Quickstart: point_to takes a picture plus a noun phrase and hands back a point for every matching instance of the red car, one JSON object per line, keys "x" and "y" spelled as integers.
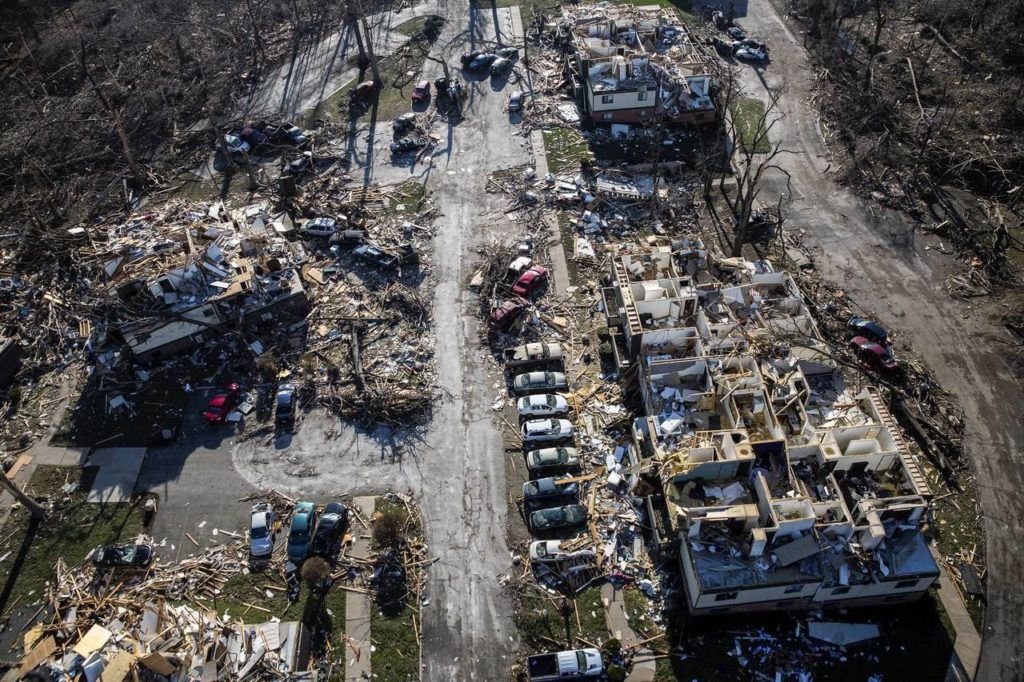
{"x": 223, "y": 401}
{"x": 505, "y": 315}
{"x": 873, "y": 355}
{"x": 421, "y": 92}
{"x": 530, "y": 281}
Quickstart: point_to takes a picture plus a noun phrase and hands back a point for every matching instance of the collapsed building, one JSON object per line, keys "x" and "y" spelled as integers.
{"x": 175, "y": 284}
{"x": 637, "y": 65}
{"x": 783, "y": 486}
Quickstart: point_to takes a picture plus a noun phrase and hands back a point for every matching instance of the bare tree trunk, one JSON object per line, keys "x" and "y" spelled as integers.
{"x": 879, "y": 25}
{"x": 369, "y": 43}
{"x": 353, "y": 23}
{"x": 31, "y": 505}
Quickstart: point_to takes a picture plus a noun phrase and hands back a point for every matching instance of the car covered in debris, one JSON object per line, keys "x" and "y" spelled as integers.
{"x": 546, "y": 459}
{"x": 873, "y": 355}
{"x": 543, "y": 490}
{"x": 468, "y": 57}
{"x": 557, "y": 517}
{"x": 736, "y": 33}
{"x": 515, "y": 101}
{"x": 550, "y": 551}
{"x": 546, "y": 430}
{"x": 869, "y": 328}
{"x": 286, "y": 133}
{"x": 261, "y": 530}
{"x": 254, "y": 137}
{"x": 749, "y": 54}
{"x": 500, "y": 66}
{"x": 401, "y": 124}
{"x": 223, "y": 401}
{"x": 235, "y": 145}
{"x": 506, "y": 315}
{"x": 329, "y": 528}
{"x": 320, "y": 227}
{"x": 507, "y": 52}
{"x": 303, "y": 522}
{"x": 284, "y": 404}
{"x": 363, "y": 91}
{"x": 532, "y": 353}
{"x": 348, "y": 237}
{"x": 408, "y": 144}
{"x": 121, "y": 556}
{"x": 530, "y": 281}
{"x": 375, "y": 256}
{"x": 539, "y": 381}
{"x": 421, "y": 93}
{"x": 542, "y": 405}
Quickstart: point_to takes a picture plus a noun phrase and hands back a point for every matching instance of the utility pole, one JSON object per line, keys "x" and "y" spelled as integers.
{"x": 33, "y": 507}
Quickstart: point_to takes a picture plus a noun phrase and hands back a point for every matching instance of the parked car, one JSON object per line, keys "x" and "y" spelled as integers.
{"x": 320, "y": 227}
{"x": 406, "y": 121}
{"x": 482, "y": 61}
{"x": 869, "y": 328}
{"x": 507, "y": 52}
{"x": 515, "y": 101}
{"x": 408, "y": 144}
{"x": 421, "y": 93}
{"x": 736, "y": 33}
{"x": 542, "y": 405}
{"x": 530, "y": 281}
{"x": 261, "y": 530}
{"x": 284, "y": 409}
{"x": 348, "y": 237}
{"x": 303, "y": 522}
{"x": 507, "y": 314}
{"x": 121, "y": 556}
{"x": 223, "y": 401}
{"x": 328, "y": 530}
{"x": 539, "y": 381}
{"x": 563, "y": 665}
{"x": 547, "y": 459}
{"x": 537, "y": 493}
{"x": 468, "y": 57}
{"x": 375, "y": 256}
{"x": 532, "y": 353}
{"x": 546, "y": 430}
{"x": 500, "y": 66}
{"x": 873, "y": 355}
{"x": 557, "y": 517}
{"x": 754, "y": 44}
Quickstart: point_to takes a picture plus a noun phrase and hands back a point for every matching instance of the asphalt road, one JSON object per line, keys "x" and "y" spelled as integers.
{"x": 456, "y": 467}
{"x": 884, "y": 266}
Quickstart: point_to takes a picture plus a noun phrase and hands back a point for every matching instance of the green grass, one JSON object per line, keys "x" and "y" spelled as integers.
{"x": 409, "y": 198}
{"x": 636, "y": 608}
{"x": 748, "y": 118}
{"x": 569, "y": 246}
{"x": 73, "y": 529}
{"x": 543, "y": 627}
{"x": 397, "y": 653}
{"x": 564, "y": 149}
{"x": 412, "y": 26}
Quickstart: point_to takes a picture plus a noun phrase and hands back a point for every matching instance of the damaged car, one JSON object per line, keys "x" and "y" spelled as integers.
{"x": 543, "y": 490}
{"x": 558, "y": 517}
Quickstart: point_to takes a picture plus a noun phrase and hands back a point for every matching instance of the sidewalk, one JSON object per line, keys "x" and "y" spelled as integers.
{"x": 967, "y": 648}
{"x": 357, "y": 608}
{"x": 559, "y": 268}
{"x": 618, "y": 625}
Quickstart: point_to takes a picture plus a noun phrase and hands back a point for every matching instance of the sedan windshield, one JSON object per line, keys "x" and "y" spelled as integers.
{"x": 260, "y": 532}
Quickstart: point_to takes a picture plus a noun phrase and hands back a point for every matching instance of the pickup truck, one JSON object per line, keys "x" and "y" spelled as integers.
{"x": 578, "y": 663}
{"x": 532, "y": 353}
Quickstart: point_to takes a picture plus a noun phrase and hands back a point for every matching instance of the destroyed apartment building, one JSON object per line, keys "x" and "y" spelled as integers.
{"x": 784, "y": 488}
{"x": 637, "y": 65}
{"x": 174, "y": 281}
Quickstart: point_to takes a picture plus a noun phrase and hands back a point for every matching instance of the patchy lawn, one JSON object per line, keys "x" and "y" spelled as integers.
{"x": 551, "y": 9}
{"x": 397, "y": 653}
{"x": 565, "y": 148}
{"x": 748, "y": 116}
{"x": 409, "y": 199}
{"x": 684, "y": 8}
{"x": 636, "y": 608}
{"x": 70, "y": 531}
{"x": 549, "y": 622}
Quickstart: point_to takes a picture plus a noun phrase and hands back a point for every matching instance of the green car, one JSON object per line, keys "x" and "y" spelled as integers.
{"x": 303, "y": 521}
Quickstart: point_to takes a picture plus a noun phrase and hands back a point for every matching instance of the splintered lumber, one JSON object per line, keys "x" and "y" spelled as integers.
{"x": 576, "y": 479}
